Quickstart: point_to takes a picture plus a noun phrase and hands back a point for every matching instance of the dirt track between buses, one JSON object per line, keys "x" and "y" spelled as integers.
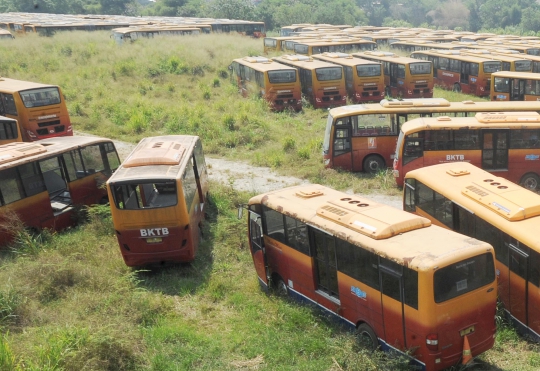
{"x": 245, "y": 177}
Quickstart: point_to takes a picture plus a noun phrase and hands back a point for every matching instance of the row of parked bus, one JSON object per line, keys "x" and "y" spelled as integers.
{"x": 326, "y": 80}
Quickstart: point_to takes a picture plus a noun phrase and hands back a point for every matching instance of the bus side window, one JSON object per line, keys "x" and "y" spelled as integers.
{"x": 92, "y": 159}
{"x": 74, "y": 165}
{"x": 297, "y": 235}
{"x": 9, "y": 187}
{"x": 534, "y": 268}
{"x": 410, "y": 199}
{"x": 8, "y": 104}
{"x": 273, "y": 224}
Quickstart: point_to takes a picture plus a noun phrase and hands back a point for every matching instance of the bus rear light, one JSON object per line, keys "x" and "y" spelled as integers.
{"x": 432, "y": 342}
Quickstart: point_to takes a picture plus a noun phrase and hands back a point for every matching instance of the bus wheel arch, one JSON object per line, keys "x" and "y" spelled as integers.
{"x": 366, "y": 337}
{"x": 373, "y": 164}
{"x": 456, "y": 88}
{"x": 531, "y": 181}
{"x": 279, "y": 285}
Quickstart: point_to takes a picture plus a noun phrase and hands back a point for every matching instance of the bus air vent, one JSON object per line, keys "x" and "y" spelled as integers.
{"x": 369, "y": 218}
{"x": 309, "y": 193}
{"x": 457, "y": 172}
{"x": 468, "y": 102}
{"x": 420, "y": 102}
{"x": 485, "y": 117}
{"x": 14, "y": 151}
{"x": 444, "y": 118}
{"x": 256, "y": 60}
{"x": 156, "y": 153}
{"x": 505, "y": 198}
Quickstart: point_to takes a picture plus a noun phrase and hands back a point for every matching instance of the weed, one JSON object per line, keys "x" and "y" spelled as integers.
{"x": 216, "y": 83}
{"x": 289, "y": 143}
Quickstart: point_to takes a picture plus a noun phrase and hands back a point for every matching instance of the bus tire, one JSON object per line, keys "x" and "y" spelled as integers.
{"x": 366, "y": 337}
{"x": 530, "y": 181}
{"x": 457, "y": 88}
{"x": 280, "y": 287}
{"x": 373, "y": 164}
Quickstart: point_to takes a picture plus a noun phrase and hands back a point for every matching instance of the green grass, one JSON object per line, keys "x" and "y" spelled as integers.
{"x": 67, "y": 300}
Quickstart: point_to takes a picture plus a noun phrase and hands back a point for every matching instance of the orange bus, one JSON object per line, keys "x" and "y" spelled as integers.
{"x": 471, "y": 201}
{"x": 461, "y": 73}
{"x": 274, "y": 44}
{"x": 508, "y": 85}
{"x": 403, "y": 76}
{"x": 343, "y": 45}
{"x": 40, "y": 109}
{"x": 412, "y": 45}
{"x": 363, "y": 137}
{"x": 509, "y": 62}
{"x": 322, "y": 83}
{"x": 405, "y": 285}
{"x": 158, "y": 198}
{"x": 9, "y": 131}
{"x": 505, "y": 143}
{"x": 278, "y": 84}
{"x": 42, "y": 183}
{"x": 364, "y": 79}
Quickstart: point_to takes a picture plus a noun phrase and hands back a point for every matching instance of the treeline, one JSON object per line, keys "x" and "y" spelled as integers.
{"x": 499, "y": 16}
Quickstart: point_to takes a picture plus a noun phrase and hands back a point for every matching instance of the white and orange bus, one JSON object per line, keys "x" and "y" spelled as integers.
{"x": 511, "y": 86}
{"x": 322, "y": 83}
{"x": 277, "y": 83}
{"x": 405, "y": 285}
{"x": 404, "y": 77}
{"x": 44, "y": 182}
{"x": 471, "y": 201}
{"x": 364, "y": 80}
{"x": 158, "y": 198}
{"x": 40, "y": 109}
{"x": 363, "y": 137}
{"x": 504, "y": 143}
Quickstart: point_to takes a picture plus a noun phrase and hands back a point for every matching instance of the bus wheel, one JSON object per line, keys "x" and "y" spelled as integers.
{"x": 280, "y": 287}
{"x": 373, "y": 164}
{"x": 530, "y": 181}
{"x": 457, "y": 88}
{"x": 366, "y": 337}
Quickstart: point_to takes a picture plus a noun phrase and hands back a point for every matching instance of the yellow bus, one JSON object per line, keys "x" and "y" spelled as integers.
{"x": 403, "y": 76}
{"x": 278, "y": 84}
{"x": 535, "y": 59}
{"x": 363, "y": 137}
{"x": 322, "y": 83}
{"x": 508, "y": 62}
{"x": 412, "y": 45}
{"x": 147, "y": 32}
{"x": 404, "y": 285}
{"x": 5, "y": 34}
{"x": 10, "y": 131}
{"x": 505, "y": 143}
{"x": 471, "y": 201}
{"x": 43, "y": 183}
{"x": 158, "y": 198}
{"x": 40, "y": 109}
{"x": 274, "y": 44}
{"x": 345, "y": 45}
{"x": 364, "y": 79}
{"x": 509, "y": 85}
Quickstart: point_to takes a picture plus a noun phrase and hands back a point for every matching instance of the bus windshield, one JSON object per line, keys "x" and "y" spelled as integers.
{"x": 40, "y": 97}
{"x": 368, "y": 70}
{"x": 490, "y": 67}
{"x": 420, "y": 68}
{"x": 135, "y": 195}
{"x": 463, "y": 277}
{"x": 278, "y": 77}
{"x": 328, "y": 73}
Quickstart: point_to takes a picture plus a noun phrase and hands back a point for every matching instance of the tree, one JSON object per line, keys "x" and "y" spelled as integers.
{"x": 530, "y": 21}
{"x": 450, "y": 15}
{"x": 232, "y": 9}
{"x": 340, "y": 12}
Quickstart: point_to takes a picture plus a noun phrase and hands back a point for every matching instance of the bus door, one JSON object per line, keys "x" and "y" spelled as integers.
{"x": 394, "y": 73}
{"x": 342, "y": 153}
{"x": 518, "y": 264}
{"x": 517, "y": 89}
{"x": 349, "y": 80}
{"x": 257, "y": 247}
{"x": 495, "y": 150}
{"x": 392, "y": 303}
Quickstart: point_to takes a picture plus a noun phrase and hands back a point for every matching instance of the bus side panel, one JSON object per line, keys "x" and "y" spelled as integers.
{"x": 384, "y": 146}
{"x": 521, "y": 162}
{"x": 88, "y": 190}
{"x": 277, "y": 261}
{"x": 503, "y": 288}
{"x": 534, "y": 310}
{"x": 301, "y": 277}
{"x": 439, "y": 157}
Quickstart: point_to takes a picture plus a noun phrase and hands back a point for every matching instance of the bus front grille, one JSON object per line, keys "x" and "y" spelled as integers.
{"x": 331, "y": 92}
{"x": 371, "y": 88}
{"x": 284, "y": 96}
{"x": 420, "y": 86}
{"x": 48, "y": 123}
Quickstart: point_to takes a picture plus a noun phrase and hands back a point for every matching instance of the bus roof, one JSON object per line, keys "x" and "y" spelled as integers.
{"x": 456, "y": 54}
{"x": 420, "y": 105}
{"x": 382, "y": 229}
{"x": 343, "y": 59}
{"x": 303, "y": 61}
{"x": 482, "y": 120}
{"x": 508, "y": 206}
{"x": 387, "y": 56}
{"x": 19, "y": 153}
{"x": 161, "y": 157}
{"x": 517, "y": 75}
{"x": 263, "y": 64}
{"x": 11, "y": 85}
{"x": 489, "y": 54}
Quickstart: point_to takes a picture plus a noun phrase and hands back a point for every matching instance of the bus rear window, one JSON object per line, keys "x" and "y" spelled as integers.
{"x": 40, "y": 97}
{"x": 463, "y": 277}
{"x": 279, "y": 77}
{"x": 420, "y": 68}
{"x": 490, "y": 67}
{"x": 328, "y": 73}
{"x": 301, "y": 49}
{"x": 368, "y": 70}
{"x": 523, "y": 66}
{"x": 133, "y": 196}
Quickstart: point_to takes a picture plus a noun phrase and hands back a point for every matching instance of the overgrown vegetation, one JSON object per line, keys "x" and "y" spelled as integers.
{"x": 68, "y": 302}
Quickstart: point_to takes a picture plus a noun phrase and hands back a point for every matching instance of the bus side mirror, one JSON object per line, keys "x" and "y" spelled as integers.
{"x": 241, "y": 211}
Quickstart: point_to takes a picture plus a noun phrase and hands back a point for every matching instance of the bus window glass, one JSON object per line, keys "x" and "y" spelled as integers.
{"x": 466, "y": 139}
{"x": 358, "y": 263}
{"x": 273, "y": 222}
{"x": 145, "y": 195}
{"x": 325, "y": 262}
{"x": 410, "y": 287}
{"x": 501, "y": 85}
{"x": 92, "y": 159}
{"x": 259, "y": 78}
{"x": 488, "y": 233}
{"x": 413, "y": 147}
{"x": 112, "y": 156}
{"x": 462, "y": 277}
{"x": 372, "y": 125}
{"x": 368, "y": 70}
{"x": 40, "y": 97}
{"x": 189, "y": 184}
{"x": 490, "y": 67}
{"x": 400, "y": 71}
{"x": 518, "y": 257}
{"x": 199, "y": 158}
{"x": 475, "y": 69}
{"x": 301, "y": 49}
{"x": 523, "y": 66}
{"x": 74, "y": 165}
{"x": 9, "y": 187}
{"x": 8, "y": 130}
{"x": 443, "y": 210}
{"x": 342, "y": 143}
{"x": 297, "y": 235}
{"x": 328, "y": 73}
{"x": 436, "y": 140}
{"x": 420, "y": 68}
{"x": 280, "y": 77}
{"x": 534, "y": 268}
{"x": 8, "y": 105}
{"x": 270, "y": 42}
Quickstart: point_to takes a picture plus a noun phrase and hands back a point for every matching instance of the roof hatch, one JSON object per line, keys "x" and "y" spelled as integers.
{"x": 14, "y": 151}
{"x": 156, "y": 153}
